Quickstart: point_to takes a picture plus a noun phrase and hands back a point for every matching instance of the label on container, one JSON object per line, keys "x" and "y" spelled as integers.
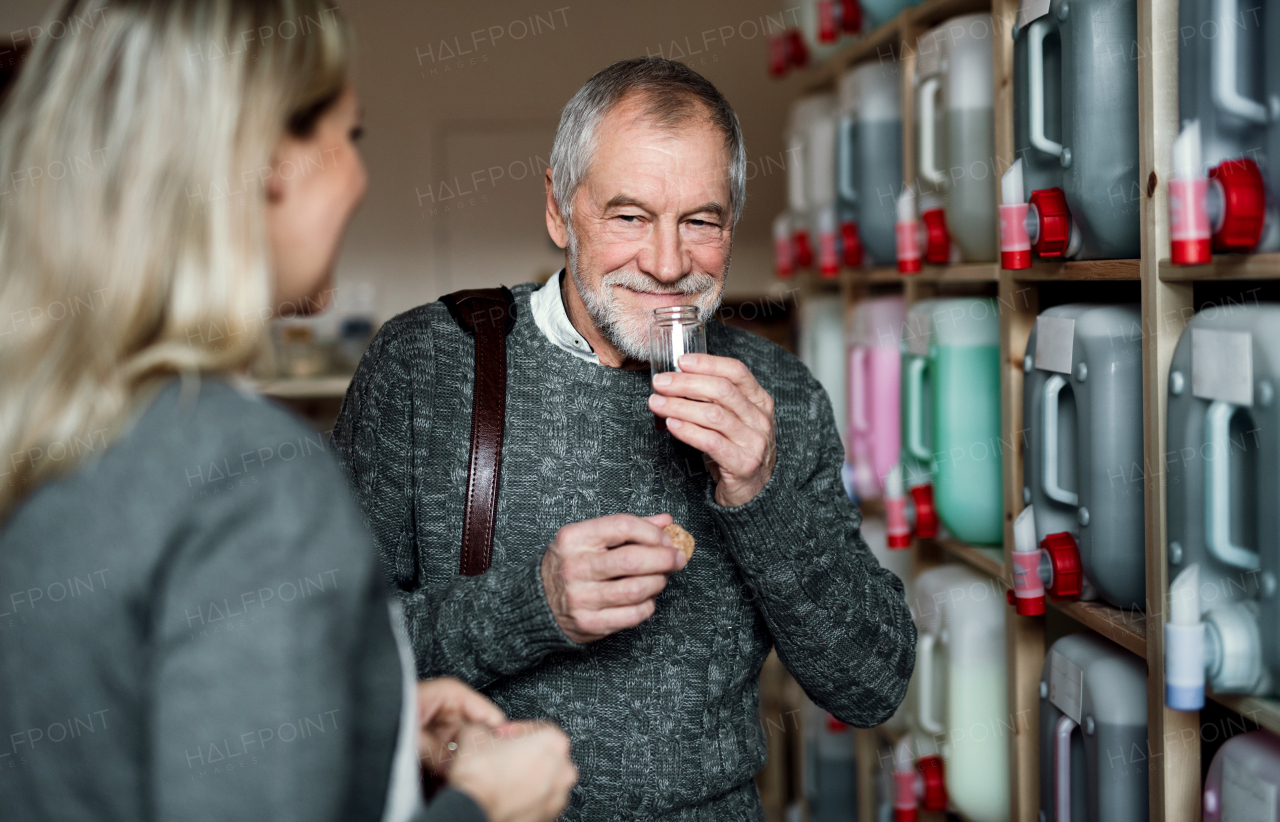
{"x": 1222, "y": 365}
{"x": 1246, "y": 797}
{"x": 1066, "y": 685}
{"x": 1029, "y": 10}
{"x": 1054, "y": 339}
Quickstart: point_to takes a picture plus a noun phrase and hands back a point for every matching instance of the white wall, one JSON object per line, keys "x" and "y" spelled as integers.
{"x": 434, "y": 114}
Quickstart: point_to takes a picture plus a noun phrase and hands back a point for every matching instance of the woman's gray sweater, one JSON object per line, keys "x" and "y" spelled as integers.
{"x": 193, "y": 626}
{"x": 664, "y": 716}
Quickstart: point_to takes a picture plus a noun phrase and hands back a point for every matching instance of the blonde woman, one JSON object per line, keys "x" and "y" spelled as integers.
{"x": 192, "y": 624}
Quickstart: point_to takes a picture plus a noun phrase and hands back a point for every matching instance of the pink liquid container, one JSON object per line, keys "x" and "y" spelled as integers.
{"x": 875, "y": 369}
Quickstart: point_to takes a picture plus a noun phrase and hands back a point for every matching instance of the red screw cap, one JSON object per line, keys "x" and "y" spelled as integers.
{"x": 935, "y": 788}
{"x": 802, "y": 252}
{"x": 926, "y": 514}
{"x": 937, "y": 243}
{"x": 851, "y": 16}
{"x": 1055, "y": 222}
{"x": 796, "y": 49}
{"x": 852, "y": 242}
{"x": 1244, "y": 205}
{"x": 779, "y": 55}
{"x": 1064, "y": 557}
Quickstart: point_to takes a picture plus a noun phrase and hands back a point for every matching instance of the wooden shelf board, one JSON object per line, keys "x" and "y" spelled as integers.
{"x": 1080, "y": 270}
{"x": 1126, "y": 628}
{"x": 932, "y": 12}
{"x": 881, "y": 274}
{"x": 1225, "y": 267}
{"x": 1265, "y": 712}
{"x": 296, "y": 388}
{"x": 960, "y": 273}
{"x": 989, "y": 561}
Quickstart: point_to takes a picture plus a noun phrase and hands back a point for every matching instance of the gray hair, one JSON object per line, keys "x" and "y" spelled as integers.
{"x": 673, "y": 94}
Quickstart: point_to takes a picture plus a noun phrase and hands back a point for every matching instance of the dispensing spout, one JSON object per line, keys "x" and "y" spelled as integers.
{"x": 908, "y": 234}
{"x": 1015, "y": 240}
{"x": 904, "y": 779}
{"x": 1184, "y": 643}
{"x": 1189, "y": 230}
{"x": 1028, "y": 587}
{"x": 897, "y": 529}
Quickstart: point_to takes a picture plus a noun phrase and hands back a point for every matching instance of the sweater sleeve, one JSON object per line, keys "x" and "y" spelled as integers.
{"x": 479, "y": 628}
{"x": 840, "y": 622}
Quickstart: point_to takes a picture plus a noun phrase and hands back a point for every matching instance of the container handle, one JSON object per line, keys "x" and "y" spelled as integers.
{"x": 924, "y": 656}
{"x": 1225, "y": 94}
{"x": 858, "y": 389}
{"x": 1049, "y": 402}
{"x": 928, "y": 132}
{"x": 915, "y": 409}
{"x": 1062, "y": 768}
{"x": 845, "y": 148}
{"x": 1217, "y": 489}
{"x": 1035, "y": 83}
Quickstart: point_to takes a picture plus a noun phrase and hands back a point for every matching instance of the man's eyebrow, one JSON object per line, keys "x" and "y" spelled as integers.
{"x": 710, "y": 208}
{"x": 623, "y": 200}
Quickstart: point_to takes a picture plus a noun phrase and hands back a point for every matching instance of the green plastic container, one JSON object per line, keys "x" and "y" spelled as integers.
{"x": 961, "y": 377}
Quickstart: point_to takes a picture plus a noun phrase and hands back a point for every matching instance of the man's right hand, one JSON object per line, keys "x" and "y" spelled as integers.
{"x": 518, "y": 772}
{"x": 603, "y": 575}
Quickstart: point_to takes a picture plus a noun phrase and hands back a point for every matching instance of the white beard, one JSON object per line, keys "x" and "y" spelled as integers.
{"x": 628, "y": 331}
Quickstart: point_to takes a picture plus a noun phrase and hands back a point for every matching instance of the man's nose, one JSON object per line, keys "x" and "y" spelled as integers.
{"x": 666, "y": 259}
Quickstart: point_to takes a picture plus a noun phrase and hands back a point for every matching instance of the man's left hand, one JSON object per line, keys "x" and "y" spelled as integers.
{"x": 715, "y": 405}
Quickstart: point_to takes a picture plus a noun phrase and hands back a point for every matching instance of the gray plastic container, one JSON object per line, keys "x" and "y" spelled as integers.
{"x": 1094, "y": 140}
{"x": 1093, "y": 699}
{"x": 1222, "y": 382}
{"x": 869, "y": 156}
{"x": 1221, "y": 76}
{"x": 1082, "y": 408}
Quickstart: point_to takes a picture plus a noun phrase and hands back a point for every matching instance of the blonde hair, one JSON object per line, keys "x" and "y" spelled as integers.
{"x": 133, "y": 240}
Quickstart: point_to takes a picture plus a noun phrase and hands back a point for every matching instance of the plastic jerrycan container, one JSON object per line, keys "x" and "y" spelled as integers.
{"x": 822, "y": 348}
{"x": 1221, "y": 461}
{"x": 1244, "y": 779}
{"x": 917, "y": 416}
{"x": 1082, "y": 469}
{"x": 956, "y": 145}
{"x": 1076, "y": 108}
{"x": 960, "y": 690}
{"x": 830, "y": 778}
{"x": 877, "y": 157}
{"x": 846, "y": 150}
{"x": 931, "y": 149}
{"x": 820, "y": 155}
{"x": 963, "y": 365}
{"x": 1222, "y": 93}
{"x": 875, "y": 366}
{"x": 799, "y": 202}
{"x": 968, "y": 99}
{"x": 1093, "y": 732}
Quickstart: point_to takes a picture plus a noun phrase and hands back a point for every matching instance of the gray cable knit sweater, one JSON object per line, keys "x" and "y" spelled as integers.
{"x": 663, "y": 717}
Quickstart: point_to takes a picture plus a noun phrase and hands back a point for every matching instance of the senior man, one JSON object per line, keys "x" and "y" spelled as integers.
{"x": 587, "y": 615}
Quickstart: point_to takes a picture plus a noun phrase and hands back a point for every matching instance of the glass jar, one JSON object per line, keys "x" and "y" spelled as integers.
{"x": 675, "y": 331}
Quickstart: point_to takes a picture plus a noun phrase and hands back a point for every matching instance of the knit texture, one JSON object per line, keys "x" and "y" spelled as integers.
{"x": 663, "y": 717}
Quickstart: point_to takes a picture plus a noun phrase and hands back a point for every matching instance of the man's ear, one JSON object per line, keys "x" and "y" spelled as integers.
{"x": 555, "y": 220}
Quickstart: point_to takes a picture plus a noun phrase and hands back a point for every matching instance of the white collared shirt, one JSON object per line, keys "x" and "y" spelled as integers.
{"x": 553, "y": 321}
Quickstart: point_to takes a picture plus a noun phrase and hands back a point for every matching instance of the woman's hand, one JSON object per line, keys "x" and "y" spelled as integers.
{"x": 519, "y": 772}
{"x": 445, "y": 706}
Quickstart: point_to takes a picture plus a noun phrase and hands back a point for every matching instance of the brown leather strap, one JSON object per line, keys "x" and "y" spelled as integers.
{"x": 488, "y": 314}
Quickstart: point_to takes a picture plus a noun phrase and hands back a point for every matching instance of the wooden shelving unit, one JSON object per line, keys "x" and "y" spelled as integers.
{"x": 1167, "y": 297}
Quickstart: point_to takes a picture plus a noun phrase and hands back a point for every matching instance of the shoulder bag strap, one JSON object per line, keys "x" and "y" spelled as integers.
{"x": 488, "y": 314}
